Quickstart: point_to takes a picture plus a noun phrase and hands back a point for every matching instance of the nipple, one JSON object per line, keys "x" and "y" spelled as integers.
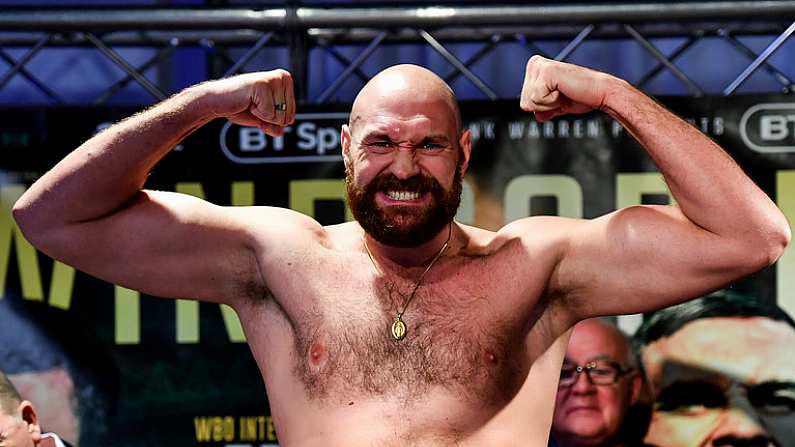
{"x": 316, "y": 354}
{"x": 491, "y": 358}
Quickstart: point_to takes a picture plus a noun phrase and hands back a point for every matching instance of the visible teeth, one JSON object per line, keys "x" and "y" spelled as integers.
{"x": 403, "y": 195}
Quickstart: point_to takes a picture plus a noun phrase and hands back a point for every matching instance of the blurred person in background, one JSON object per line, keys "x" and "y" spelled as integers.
{"x": 721, "y": 372}
{"x": 19, "y": 421}
{"x": 53, "y": 363}
{"x": 598, "y": 385}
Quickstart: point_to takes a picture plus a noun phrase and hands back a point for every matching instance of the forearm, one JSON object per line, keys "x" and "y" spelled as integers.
{"x": 711, "y": 190}
{"x": 109, "y": 169}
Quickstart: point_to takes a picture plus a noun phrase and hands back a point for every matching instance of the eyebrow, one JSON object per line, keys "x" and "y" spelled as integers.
{"x": 380, "y": 136}
{"x": 603, "y": 357}
{"x": 691, "y": 389}
{"x": 435, "y": 139}
{"x": 773, "y": 385}
{"x": 376, "y": 136}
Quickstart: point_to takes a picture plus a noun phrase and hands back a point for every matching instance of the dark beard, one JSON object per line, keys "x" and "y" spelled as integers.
{"x": 403, "y": 226}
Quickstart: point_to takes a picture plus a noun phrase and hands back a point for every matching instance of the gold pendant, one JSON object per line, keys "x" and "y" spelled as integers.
{"x": 398, "y": 328}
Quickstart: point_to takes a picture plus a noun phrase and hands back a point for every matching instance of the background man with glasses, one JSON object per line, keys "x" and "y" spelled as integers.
{"x": 598, "y": 383}
{"x": 721, "y": 372}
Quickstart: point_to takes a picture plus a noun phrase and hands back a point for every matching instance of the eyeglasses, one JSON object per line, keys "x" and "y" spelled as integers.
{"x": 599, "y": 372}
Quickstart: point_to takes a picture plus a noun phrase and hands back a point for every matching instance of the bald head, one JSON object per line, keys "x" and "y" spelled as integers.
{"x": 398, "y": 89}
{"x": 603, "y": 337}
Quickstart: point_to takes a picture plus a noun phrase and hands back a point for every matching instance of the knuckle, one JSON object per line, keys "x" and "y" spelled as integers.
{"x": 283, "y": 74}
{"x": 535, "y": 59}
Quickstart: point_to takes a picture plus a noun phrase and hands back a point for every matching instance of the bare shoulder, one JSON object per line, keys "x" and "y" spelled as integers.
{"x": 282, "y": 235}
{"x": 274, "y": 225}
{"x": 542, "y": 239}
{"x": 539, "y": 232}
{"x": 344, "y": 237}
{"x": 540, "y": 243}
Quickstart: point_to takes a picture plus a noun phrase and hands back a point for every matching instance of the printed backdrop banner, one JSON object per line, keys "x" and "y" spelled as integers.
{"x": 113, "y": 368}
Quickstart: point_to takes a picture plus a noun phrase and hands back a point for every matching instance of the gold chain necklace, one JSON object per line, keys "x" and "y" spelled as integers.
{"x": 399, "y": 327}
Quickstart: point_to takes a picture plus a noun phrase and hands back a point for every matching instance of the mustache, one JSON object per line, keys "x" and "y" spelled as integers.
{"x": 416, "y": 183}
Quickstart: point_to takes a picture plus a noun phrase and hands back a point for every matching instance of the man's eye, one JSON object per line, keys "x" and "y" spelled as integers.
{"x": 603, "y": 372}
{"x": 431, "y": 146}
{"x": 378, "y": 146}
{"x": 773, "y": 400}
{"x": 566, "y": 372}
{"x": 691, "y": 398}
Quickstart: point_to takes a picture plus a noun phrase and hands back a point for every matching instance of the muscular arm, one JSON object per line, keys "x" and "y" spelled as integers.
{"x": 646, "y": 257}
{"x": 90, "y": 210}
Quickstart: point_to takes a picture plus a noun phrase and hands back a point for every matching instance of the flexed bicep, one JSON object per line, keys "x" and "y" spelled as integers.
{"x": 642, "y": 258}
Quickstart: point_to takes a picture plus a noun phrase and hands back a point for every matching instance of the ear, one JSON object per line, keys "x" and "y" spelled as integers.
{"x": 345, "y": 141}
{"x": 465, "y": 143}
{"x": 31, "y": 418}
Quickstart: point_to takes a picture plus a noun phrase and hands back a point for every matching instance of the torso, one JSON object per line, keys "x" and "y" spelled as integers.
{"x": 479, "y": 364}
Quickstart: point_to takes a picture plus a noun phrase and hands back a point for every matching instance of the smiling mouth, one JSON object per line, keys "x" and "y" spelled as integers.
{"x": 403, "y": 196}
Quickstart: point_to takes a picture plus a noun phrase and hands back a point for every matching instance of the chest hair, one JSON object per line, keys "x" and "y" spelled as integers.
{"x": 455, "y": 341}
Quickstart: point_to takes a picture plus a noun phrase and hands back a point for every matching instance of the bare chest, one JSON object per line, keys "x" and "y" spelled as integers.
{"x": 459, "y": 338}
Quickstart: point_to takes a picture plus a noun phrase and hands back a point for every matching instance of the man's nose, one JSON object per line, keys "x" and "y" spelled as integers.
{"x": 404, "y": 164}
{"x": 739, "y": 427}
{"x": 583, "y": 384}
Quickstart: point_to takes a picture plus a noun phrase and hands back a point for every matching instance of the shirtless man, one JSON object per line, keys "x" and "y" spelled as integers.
{"x": 483, "y": 314}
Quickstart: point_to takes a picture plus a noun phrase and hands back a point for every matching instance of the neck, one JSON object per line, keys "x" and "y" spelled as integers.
{"x": 418, "y": 256}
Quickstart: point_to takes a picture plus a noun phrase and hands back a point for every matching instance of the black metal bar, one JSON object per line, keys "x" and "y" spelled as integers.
{"x": 249, "y": 54}
{"x": 83, "y": 19}
{"x": 124, "y": 65}
{"x": 355, "y": 64}
{"x": 435, "y": 16}
{"x": 777, "y": 74}
{"x": 298, "y": 46}
{"x": 32, "y": 78}
{"x": 532, "y": 47}
{"x": 16, "y": 67}
{"x": 480, "y": 54}
{"x": 454, "y": 61}
{"x": 695, "y": 90}
{"x": 765, "y": 55}
{"x": 691, "y": 40}
{"x": 575, "y": 43}
{"x": 121, "y": 83}
{"x": 342, "y": 59}
{"x": 233, "y": 37}
{"x": 409, "y": 16}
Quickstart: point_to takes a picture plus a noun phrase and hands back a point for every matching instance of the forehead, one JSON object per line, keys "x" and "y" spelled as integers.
{"x": 595, "y": 340}
{"x": 400, "y": 110}
{"x": 400, "y": 127}
{"x": 750, "y": 350}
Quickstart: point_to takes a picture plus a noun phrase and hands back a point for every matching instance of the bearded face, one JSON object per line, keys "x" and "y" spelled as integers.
{"x": 403, "y": 226}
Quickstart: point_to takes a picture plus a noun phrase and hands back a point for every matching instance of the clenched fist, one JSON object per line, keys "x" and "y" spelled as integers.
{"x": 553, "y": 88}
{"x": 264, "y": 99}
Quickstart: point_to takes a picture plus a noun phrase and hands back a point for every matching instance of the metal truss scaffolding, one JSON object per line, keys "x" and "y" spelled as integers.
{"x": 231, "y": 38}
